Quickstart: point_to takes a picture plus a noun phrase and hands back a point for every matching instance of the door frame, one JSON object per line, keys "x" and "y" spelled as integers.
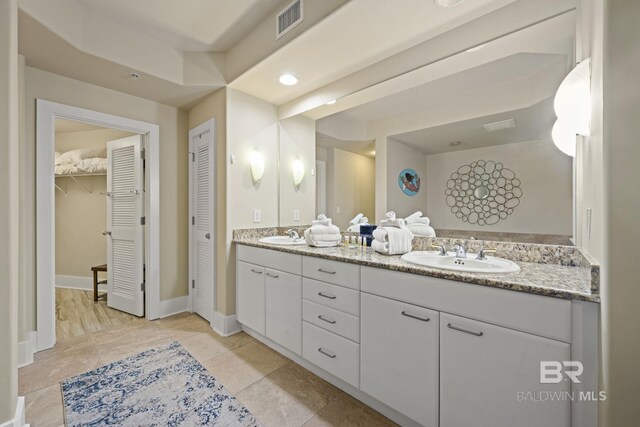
{"x": 46, "y": 113}
{"x": 210, "y": 126}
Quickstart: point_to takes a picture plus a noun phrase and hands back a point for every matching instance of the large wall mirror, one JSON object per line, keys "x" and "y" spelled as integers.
{"x": 465, "y": 140}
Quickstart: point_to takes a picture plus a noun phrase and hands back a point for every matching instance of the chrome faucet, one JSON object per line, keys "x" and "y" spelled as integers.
{"x": 483, "y": 251}
{"x": 293, "y": 234}
{"x": 442, "y": 249}
{"x": 460, "y": 251}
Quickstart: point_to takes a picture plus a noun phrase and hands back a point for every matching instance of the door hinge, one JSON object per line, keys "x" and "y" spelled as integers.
{"x": 193, "y": 156}
{"x": 193, "y": 220}
{"x": 143, "y": 220}
{"x": 142, "y": 286}
{"x": 193, "y": 284}
{"x": 142, "y": 153}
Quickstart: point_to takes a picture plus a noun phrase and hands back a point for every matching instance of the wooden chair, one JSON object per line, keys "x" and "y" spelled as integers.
{"x": 95, "y": 271}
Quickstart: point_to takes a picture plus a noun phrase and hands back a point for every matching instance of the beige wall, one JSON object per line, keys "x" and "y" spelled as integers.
{"x": 173, "y": 165}
{"x": 9, "y": 215}
{"x": 98, "y": 138}
{"x": 546, "y": 206}
{"x": 215, "y": 106}
{"x": 400, "y": 157}
{"x": 350, "y": 186}
{"x": 621, "y": 270}
{"x": 297, "y": 141}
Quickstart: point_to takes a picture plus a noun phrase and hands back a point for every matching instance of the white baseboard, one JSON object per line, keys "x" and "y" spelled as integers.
{"x": 225, "y": 325}
{"x": 18, "y": 420}
{"x": 74, "y": 282}
{"x": 26, "y": 350}
{"x": 173, "y": 306}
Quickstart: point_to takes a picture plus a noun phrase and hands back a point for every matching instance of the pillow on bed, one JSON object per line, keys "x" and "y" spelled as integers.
{"x": 75, "y": 156}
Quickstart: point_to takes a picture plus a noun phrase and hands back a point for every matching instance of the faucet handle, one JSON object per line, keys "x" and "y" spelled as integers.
{"x": 441, "y": 248}
{"x": 483, "y": 251}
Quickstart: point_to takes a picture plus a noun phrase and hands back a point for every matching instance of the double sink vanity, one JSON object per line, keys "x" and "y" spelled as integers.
{"x": 428, "y": 339}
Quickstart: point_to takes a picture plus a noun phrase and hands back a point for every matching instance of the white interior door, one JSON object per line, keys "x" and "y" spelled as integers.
{"x": 125, "y": 225}
{"x": 321, "y": 187}
{"x": 202, "y": 237}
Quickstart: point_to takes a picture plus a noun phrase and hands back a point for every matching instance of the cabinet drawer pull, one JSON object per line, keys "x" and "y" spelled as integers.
{"x": 413, "y": 316}
{"x": 326, "y": 353}
{"x": 466, "y": 331}
{"x": 326, "y": 271}
{"x": 275, "y": 276}
{"x": 256, "y": 271}
{"x": 324, "y": 319}
{"x": 322, "y": 294}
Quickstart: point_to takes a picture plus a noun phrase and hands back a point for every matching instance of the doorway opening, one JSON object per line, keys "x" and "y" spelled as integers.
{"x": 132, "y": 194}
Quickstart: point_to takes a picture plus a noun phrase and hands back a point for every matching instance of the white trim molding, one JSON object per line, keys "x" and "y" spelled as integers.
{"x": 173, "y": 306}
{"x": 74, "y": 282}
{"x": 18, "y": 420}
{"x": 225, "y": 325}
{"x": 46, "y": 114}
{"x": 26, "y": 350}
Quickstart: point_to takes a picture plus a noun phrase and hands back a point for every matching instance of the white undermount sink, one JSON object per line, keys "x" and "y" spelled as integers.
{"x": 466, "y": 265}
{"x": 282, "y": 240}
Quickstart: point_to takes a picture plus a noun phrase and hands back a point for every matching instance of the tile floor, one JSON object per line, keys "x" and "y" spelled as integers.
{"x": 276, "y": 390}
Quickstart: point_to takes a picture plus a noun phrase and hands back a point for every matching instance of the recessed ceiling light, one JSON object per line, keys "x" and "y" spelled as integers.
{"x": 447, "y": 3}
{"x": 134, "y": 76}
{"x": 288, "y": 79}
{"x": 502, "y": 124}
{"x": 333, "y": 101}
{"x": 475, "y": 49}
{"x": 454, "y": 143}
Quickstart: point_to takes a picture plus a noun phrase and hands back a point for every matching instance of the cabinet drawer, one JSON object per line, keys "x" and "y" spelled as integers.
{"x": 282, "y": 261}
{"x": 334, "y": 354}
{"x": 332, "y": 296}
{"x": 338, "y": 273}
{"x": 536, "y": 314}
{"x": 335, "y": 321}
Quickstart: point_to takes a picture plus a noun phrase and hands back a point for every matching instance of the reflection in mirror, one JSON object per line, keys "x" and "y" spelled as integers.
{"x": 345, "y": 181}
{"x": 464, "y": 146}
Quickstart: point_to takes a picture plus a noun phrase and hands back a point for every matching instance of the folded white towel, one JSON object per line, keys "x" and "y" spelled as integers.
{"x": 398, "y": 240}
{"x": 356, "y": 219}
{"x": 419, "y": 229}
{"x": 411, "y": 218}
{"x": 322, "y": 239}
{"x": 325, "y": 229}
{"x": 398, "y": 223}
{"x": 322, "y": 220}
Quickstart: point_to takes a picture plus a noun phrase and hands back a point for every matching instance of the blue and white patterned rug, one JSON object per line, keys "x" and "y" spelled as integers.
{"x": 164, "y": 386}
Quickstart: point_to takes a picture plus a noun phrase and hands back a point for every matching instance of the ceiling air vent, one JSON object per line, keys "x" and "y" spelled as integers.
{"x": 504, "y": 124}
{"x": 290, "y": 17}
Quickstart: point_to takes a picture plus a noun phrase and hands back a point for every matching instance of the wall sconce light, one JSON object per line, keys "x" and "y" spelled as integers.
{"x": 257, "y": 166}
{"x": 572, "y": 105}
{"x": 298, "y": 172}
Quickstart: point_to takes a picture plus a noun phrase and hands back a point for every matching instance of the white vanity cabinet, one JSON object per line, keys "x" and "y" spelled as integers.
{"x": 399, "y": 357}
{"x": 283, "y": 309}
{"x": 251, "y": 296}
{"x": 490, "y": 376}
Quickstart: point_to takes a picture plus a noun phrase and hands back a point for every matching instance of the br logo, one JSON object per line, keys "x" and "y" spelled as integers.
{"x": 553, "y": 372}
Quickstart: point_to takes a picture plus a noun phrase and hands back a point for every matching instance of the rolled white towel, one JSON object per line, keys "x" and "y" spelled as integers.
{"x": 412, "y": 218}
{"x": 397, "y": 239}
{"x": 364, "y": 221}
{"x": 356, "y": 219}
{"x": 398, "y": 223}
{"x": 390, "y": 215}
{"x": 380, "y": 247}
{"x": 421, "y": 230}
{"x": 322, "y": 220}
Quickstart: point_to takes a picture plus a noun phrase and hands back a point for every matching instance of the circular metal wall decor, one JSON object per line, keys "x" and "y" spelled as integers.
{"x": 483, "y": 192}
{"x": 409, "y": 182}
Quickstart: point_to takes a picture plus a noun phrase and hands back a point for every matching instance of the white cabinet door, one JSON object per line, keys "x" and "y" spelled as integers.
{"x": 490, "y": 376}
{"x": 399, "y": 356}
{"x": 251, "y": 296}
{"x": 284, "y": 309}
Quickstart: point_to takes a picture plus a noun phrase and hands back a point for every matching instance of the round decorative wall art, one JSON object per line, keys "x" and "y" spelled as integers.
{"x": 483, "y": 192}
{"x": 409, "y": 182}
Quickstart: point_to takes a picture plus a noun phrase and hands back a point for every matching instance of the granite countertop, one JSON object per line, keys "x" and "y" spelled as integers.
{"x": 559, "y": 281}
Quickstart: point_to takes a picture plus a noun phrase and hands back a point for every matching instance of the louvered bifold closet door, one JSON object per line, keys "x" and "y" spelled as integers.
{"x": 125, "y": 241}
{"x": 203, "y": 233}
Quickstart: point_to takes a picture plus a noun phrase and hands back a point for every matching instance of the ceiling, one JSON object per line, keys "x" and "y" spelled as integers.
{"x": 532, "y": 124}
{"x": 363, "y": 148}
{"x": 187, "y": 25}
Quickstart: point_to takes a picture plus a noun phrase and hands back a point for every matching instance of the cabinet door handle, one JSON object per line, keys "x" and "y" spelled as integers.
{"x": 256, "y": 271}
{"x": 326, "y": 271}
{"x": 322, "y": 294}
{"x": 326, "y": 353}
{"x": 275, "y": 276}
{"x": 466, "y": 331}
{"x": 413, "y": 316}
{"x": 324, "y": 319}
